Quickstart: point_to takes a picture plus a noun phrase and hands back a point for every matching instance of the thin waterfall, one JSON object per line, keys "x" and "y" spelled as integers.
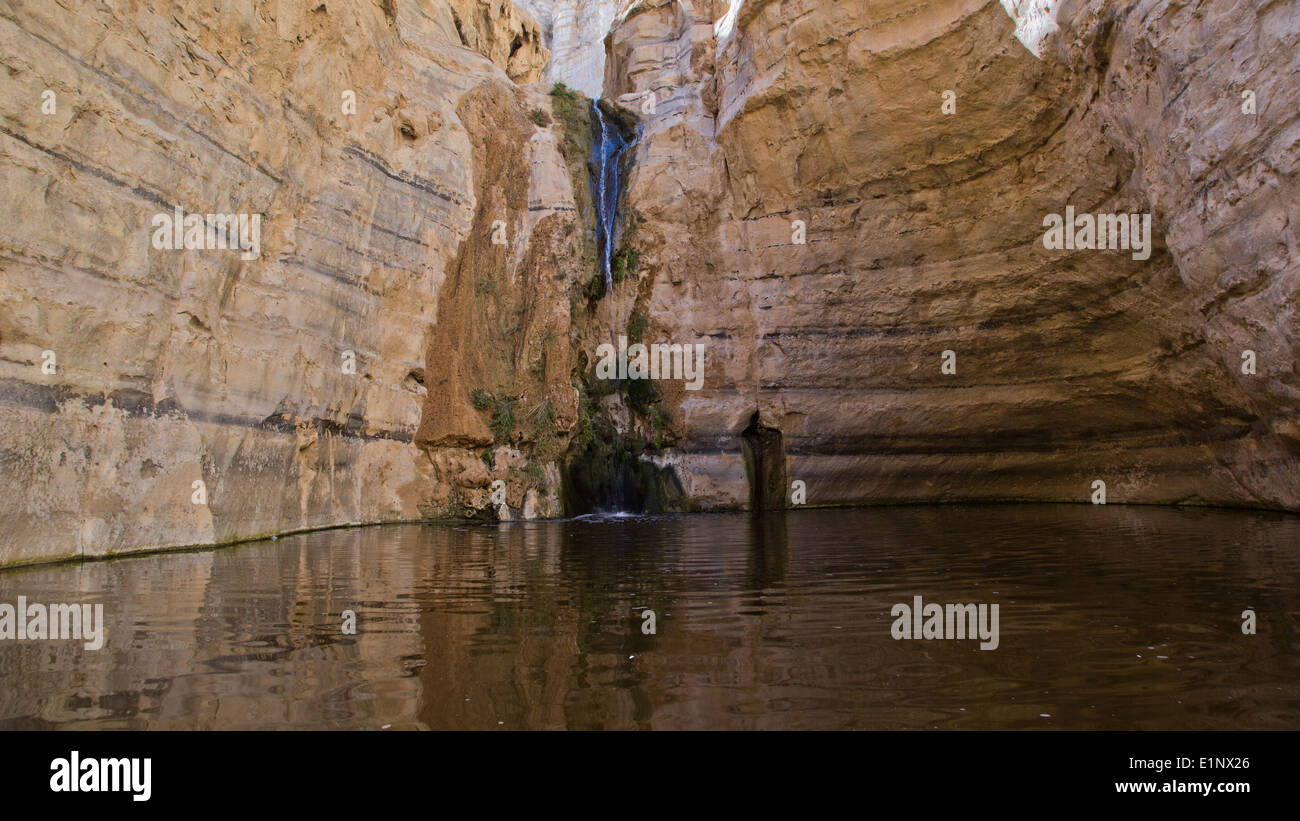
{"x": 608, "y": 149}
{"x": 612, "y": 478}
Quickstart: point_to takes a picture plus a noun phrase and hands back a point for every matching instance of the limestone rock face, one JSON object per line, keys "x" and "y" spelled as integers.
{"x": 922, "y": 228}
{"x": 574, "y": 31}
{"x": 844, "y": 202}
{"x": 505, "y": 34}
{"x": 153, "y": 396}
{"x": 1213, "y": 127}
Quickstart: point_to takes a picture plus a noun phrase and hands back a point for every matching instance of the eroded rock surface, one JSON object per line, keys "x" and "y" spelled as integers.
{"x": 503, "y": 32}
{"x": 575, "y": 31}
{"x": 805, "y": 200}
{"x": 292, "y": 385}
{"x": 924, "y": 235}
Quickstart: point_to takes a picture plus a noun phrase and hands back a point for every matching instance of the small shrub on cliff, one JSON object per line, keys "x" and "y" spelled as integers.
{"x": 540, "y": 117}
{"x": 546, "y": 443}
{"x": 660, "y": 419}
{"x": 624, "y": 264}
{"x": 534, "y": 473}
{"x": 594, "y": 288}
{"x": 503, "y": 413}
{"x": 586, "y": 435}
{"x": 642, "y": 394}
{"x": 569, "y": 109}
{"x": 562, "y": 92}
{"x": 637, "y": 324}
{"x": 503, "y": 420}
{"x": 571, "y": 113}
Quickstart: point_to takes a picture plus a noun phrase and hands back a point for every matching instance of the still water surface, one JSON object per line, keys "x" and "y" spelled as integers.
{"x": 1110, "y": 617}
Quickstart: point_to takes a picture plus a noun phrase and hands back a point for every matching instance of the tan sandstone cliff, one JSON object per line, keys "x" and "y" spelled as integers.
{"x": 371, "y": 138}
{"x": 924, "y": 235}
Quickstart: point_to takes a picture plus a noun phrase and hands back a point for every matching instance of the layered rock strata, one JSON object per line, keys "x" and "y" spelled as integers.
{"x": 924, "y": 235}
{"x": 155, "y": 396}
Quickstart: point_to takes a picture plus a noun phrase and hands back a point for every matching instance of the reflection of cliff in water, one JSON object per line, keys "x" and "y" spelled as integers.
{"x": 778, "y": 620}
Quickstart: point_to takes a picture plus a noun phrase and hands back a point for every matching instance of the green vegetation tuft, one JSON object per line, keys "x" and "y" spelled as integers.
{"x": 660, "y": 419}
{"x": 624, "y": 264}
{"x": 534, "y": 473}
{"x": 570, "y": 111}
{"x": 642, "y": 394}
{"x": 594, "y": 288}
{"x": 503, "y": 420}
{"x": 637, "y": 324}
{"x": 503, "y": 413}
{"x": 546, "y": 439}
{"x": 586, "y": 434}
{"x": 540, "y": 117}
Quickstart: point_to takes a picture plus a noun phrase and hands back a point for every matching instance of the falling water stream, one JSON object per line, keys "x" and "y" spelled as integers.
{"x": 617, "y": 486}
{"x": 608, "y": 147}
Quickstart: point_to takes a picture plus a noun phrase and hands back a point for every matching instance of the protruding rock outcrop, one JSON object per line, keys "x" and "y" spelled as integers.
{"x": 503, "y": 32}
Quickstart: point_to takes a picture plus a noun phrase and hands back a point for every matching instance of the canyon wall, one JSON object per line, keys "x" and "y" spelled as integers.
{"x": 574, "y": 31}
{"x": 503, "y": 32}
{"x": 924, "y": 218}
{"x": 154, "y": 396}
{"x": 844, "y": 202}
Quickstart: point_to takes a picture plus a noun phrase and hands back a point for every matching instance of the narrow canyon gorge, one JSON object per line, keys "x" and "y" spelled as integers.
{"x": 843, "y": 203}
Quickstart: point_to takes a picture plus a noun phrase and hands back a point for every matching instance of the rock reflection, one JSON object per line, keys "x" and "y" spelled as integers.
{"x": 1111, "y": 617}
